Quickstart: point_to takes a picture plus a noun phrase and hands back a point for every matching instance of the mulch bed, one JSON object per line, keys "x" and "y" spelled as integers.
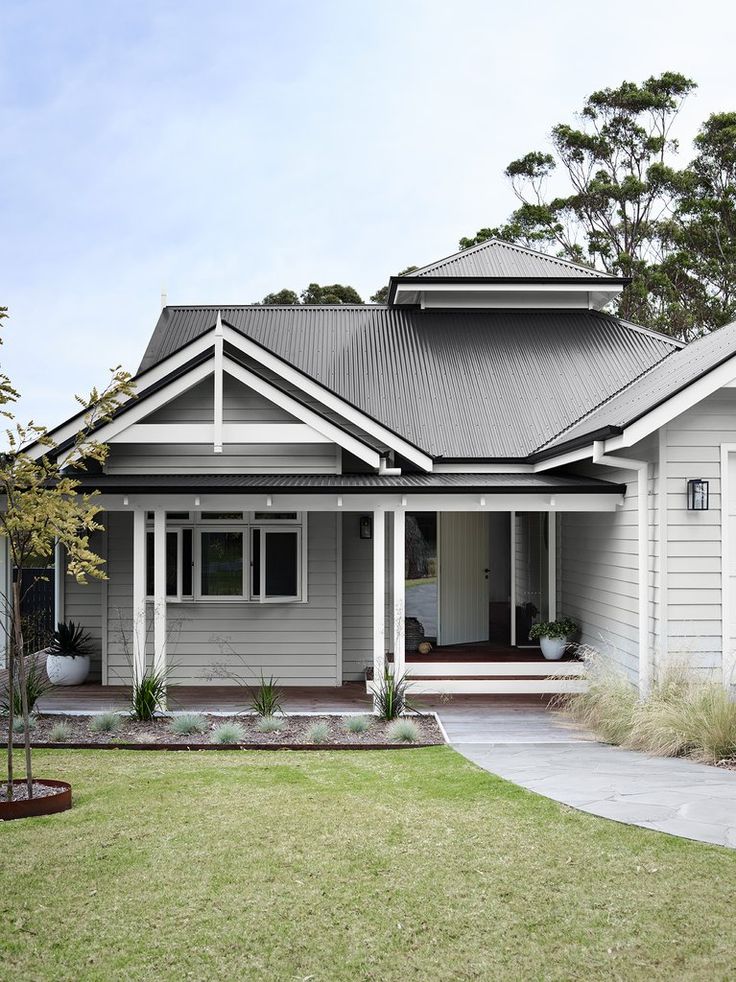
{"x": 294, "y": 734}
{"x": 20, "y": 791}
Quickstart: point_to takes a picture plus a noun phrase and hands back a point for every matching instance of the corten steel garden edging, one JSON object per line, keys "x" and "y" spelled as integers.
{"x": 117, "y": 745}
{"x": 47, "y": 804}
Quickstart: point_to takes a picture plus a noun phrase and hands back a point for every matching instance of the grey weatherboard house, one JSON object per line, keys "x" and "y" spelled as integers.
{"x": 310, "y": 491}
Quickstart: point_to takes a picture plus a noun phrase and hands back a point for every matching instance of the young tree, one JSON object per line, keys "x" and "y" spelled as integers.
{"x": 42, "y": 507}
{"x": 618, "y": 192}
{"x": 381, "y": 294}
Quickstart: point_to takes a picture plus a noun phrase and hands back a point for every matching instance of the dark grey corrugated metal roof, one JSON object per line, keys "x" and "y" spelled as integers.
{"x": 458, "y": 384}
{"x": 349, "y": 483}
{"x": 495, "y": 258}
{"x": 664, "y": 380}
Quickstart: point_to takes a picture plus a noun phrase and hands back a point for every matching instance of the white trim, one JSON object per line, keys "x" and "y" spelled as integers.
{"x": 104, "y": 612}
{"x": 207, "y": 433}
{"x": 379, "y": 593}
{"x": 663, "y": 551}
{"x": 139, "y": 594}
{"x": 327, "y": 398}
{"x": 338, "y": 596}
{"x": 512, "y": 574}
{"x": 552, "y": 565}
{"x": 453, "y": 286}
{"x": 306, "y": 415}
{"x": 159, "y": 590}
{"x": 728, "y": 662}
{"x": 551, "y": 686}
{"x": 491, "y": 669}
{"x": 218, "y": 393}
{"x": 399, "y": 600}
{"x": 472, "y": 467}
{"x": 59, "y": 583}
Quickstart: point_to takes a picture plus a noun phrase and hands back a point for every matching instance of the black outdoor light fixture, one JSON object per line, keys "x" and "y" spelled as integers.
{"x": 697, "y": 495}
{"x": 366, "y": 526}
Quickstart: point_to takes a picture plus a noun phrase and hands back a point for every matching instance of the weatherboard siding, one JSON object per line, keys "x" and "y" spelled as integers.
{"x": 83, "y": 604}
{"x": 209, "y": 642}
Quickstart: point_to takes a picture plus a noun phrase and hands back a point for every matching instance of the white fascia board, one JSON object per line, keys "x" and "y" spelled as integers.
{"x": 306, "y": 415}
{"x": 480, "y": 468}
{"x": 327, "y": 502}
{"x": 137, "y": 411}
{"x": 571, "y": 457}
{"x": 204, "y": 433}
{"x": 551, "y": 287}
{"x": 313, "y": 389}
{"x": 142, "y": 381}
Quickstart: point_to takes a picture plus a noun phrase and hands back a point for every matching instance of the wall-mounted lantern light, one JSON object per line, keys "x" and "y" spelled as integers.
{"x": 366, "y": 526}
{"x": 697, "y": 495}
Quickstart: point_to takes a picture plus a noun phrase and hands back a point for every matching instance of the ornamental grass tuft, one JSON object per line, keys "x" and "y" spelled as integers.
{"x": 188, "y": 723}
{"x": 317, "y": 733}
{"x": 227, "y": 733}
{"x": 357, "y": 724}
{"x": 403, "y": 731}
{"x": 108, "y": 722}
{"x": 269, "y": 724}
{"x": 60, "y": 732}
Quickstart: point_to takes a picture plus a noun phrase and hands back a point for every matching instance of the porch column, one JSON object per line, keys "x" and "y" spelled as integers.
{"x": 399, "y": 608}
{"x": 139, "y": 594}
{"x": 379, "y": 594}
{"x": 159, "y": 591}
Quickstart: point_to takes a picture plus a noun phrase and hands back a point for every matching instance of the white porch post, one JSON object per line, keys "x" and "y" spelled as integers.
{"x": 379, "y": 595}
{"x": 59, "y": 569}
{"x": 159, "y": 591}
{"x": 399, "y": 607}
{"x": 139, "y": 594}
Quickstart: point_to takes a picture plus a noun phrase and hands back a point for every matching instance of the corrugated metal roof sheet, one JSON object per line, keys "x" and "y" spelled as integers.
{"x": 347, "y": 483}
{"x": 495, "y": 258}
{"x": 458, "y": 384}
{"x": 664, "y": 380}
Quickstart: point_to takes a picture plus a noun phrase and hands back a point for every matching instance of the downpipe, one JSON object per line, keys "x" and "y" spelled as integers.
{"x": 642, "y": 504}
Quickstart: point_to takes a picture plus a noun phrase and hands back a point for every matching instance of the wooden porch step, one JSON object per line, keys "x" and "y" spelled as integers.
{"x": 491, "y": 669}
{"x": 493, "y": 686}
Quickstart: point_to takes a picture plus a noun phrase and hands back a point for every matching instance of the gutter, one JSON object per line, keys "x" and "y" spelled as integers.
{"x": 642, "y": 506}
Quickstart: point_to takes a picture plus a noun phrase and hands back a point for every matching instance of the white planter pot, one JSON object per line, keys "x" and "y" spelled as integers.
{"x": 64, "y": 670}
{"x": 553, "y": 648}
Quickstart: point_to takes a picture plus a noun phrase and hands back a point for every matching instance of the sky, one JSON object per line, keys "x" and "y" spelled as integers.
{"x": 222, "y": 151}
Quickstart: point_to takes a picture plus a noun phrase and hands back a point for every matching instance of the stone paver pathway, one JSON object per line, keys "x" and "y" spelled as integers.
{"x": 539, "y": 750}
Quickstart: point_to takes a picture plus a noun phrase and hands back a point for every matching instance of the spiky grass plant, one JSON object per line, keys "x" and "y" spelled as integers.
{"x": 60, "y": 732}
{"x": 318, "y": 732}
{"x": 403, "y": 731}
{"x": 108, "y": 722}
{"x": 608, "y": 706}
{"x": 357, "y": 724}
{"x": 37, "y": 684}
{"x": 148, "y": 695}
{"x": 265, "y": 697}
{"x": 18, "y": 727}
{"x": 188, "y": 723}
{"x": 269, "y": 724}
{"x": 390, "y": 696}
{"x": 227, "y": 733}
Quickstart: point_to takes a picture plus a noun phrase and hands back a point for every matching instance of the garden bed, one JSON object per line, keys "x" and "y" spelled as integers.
{"x": 297, "y": 731}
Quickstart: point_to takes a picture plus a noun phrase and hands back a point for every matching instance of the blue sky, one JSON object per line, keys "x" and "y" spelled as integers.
{"x": 224, "y": 150}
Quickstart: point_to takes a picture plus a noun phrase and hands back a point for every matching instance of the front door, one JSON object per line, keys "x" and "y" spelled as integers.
{"x": 464, "y": 558}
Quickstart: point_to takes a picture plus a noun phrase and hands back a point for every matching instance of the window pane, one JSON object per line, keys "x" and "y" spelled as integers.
{"x": 149, "y": 564}
{"x": 282, "y": 550}
{"x": 222, "y": 564}
{"x": 186, "y": 562}
{"x": 275, "y": 516}
{"x": 255, "y": 563}
{"x": 532, "y": 572}
{"x": 421, "y": 578}
{"x": 221, "y": 516}
{"x": 172, "y": 556}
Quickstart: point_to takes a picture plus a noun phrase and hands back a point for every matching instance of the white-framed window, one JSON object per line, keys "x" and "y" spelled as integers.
{"x": 246, "y": 557}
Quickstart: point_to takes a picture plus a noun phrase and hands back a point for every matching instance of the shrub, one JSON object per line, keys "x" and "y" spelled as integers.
{"x": 266, "y": 697}
{"x": 19, "y": 728}
{"x": 149, "y": 694}
{"x": 357, "y": 724}
{"x": 318, "y": 732}
{"x": 560, "y": 630}
{"x": 188, "y": 723}
{"x": 37, "y": 684}
{"x": 269, "y": 724}
{"x": 403, "y": 731}
{"x": 228, "y": 733}
{"x": 390, "y": 696}
{"x": 70, "y": 639}
{"x": 108, "y": 722}
{"x": 60, "y": 732}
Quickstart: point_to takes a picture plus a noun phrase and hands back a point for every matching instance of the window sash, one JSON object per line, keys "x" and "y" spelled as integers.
{"x": 258, "y": 590}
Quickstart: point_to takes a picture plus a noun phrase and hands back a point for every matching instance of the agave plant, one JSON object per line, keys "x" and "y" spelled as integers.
{"x": 70, "y": 639}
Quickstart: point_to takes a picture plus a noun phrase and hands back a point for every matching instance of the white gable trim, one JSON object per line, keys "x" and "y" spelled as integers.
{"x": 303, "y": 413}
{"x": 327, "y": 398}
{"x": 204, "y": 433}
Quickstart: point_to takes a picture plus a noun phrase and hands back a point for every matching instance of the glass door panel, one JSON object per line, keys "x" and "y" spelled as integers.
{"x": 531, "y": 572}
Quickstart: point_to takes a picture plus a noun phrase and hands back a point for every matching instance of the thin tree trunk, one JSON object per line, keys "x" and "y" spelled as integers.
{"x": 11, "y": 708}
{"x": 18, "y": 634}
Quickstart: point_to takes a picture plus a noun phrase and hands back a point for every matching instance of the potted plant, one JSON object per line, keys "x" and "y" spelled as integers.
{"x": 68, "y": 658}
{"x": 553, "y": 636}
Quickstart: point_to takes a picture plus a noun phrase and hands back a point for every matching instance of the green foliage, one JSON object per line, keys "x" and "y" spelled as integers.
{"x": 109, "y": 722}
{"x": 70, "y": 639}
{"x": 266, "y": 697}
{"x": 19, "y": 725}
{"x": 228, "y": 733}
{"x": 283, "y": 298}
{"x": 404, "y": 731}
{"x": 36, "y": 684}
{"x": 381, "y": 295}
{"x": 357, "y": 724}
{"x": 60, "y": 732}
{"x": 269, "y": 724}
{"x": 390, "y": 696}
{"x": 188, "y": 723}
{"x": 607, "y": 708}
{"x": 559, "y": 630}
{"x": 148, "y": 694}
{"x": 318, "y": 732}
{"x": 314, "y": 294}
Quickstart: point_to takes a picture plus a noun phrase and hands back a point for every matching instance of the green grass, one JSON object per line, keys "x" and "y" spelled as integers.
{"x": 383, "y": 865}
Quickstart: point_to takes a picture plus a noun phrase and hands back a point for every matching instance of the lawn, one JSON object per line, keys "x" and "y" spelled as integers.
{"x": 346, "y": 865}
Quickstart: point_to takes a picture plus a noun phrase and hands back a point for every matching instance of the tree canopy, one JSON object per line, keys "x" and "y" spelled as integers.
{"x": 314, "y": 294}
{"x": 381, "y": 295}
